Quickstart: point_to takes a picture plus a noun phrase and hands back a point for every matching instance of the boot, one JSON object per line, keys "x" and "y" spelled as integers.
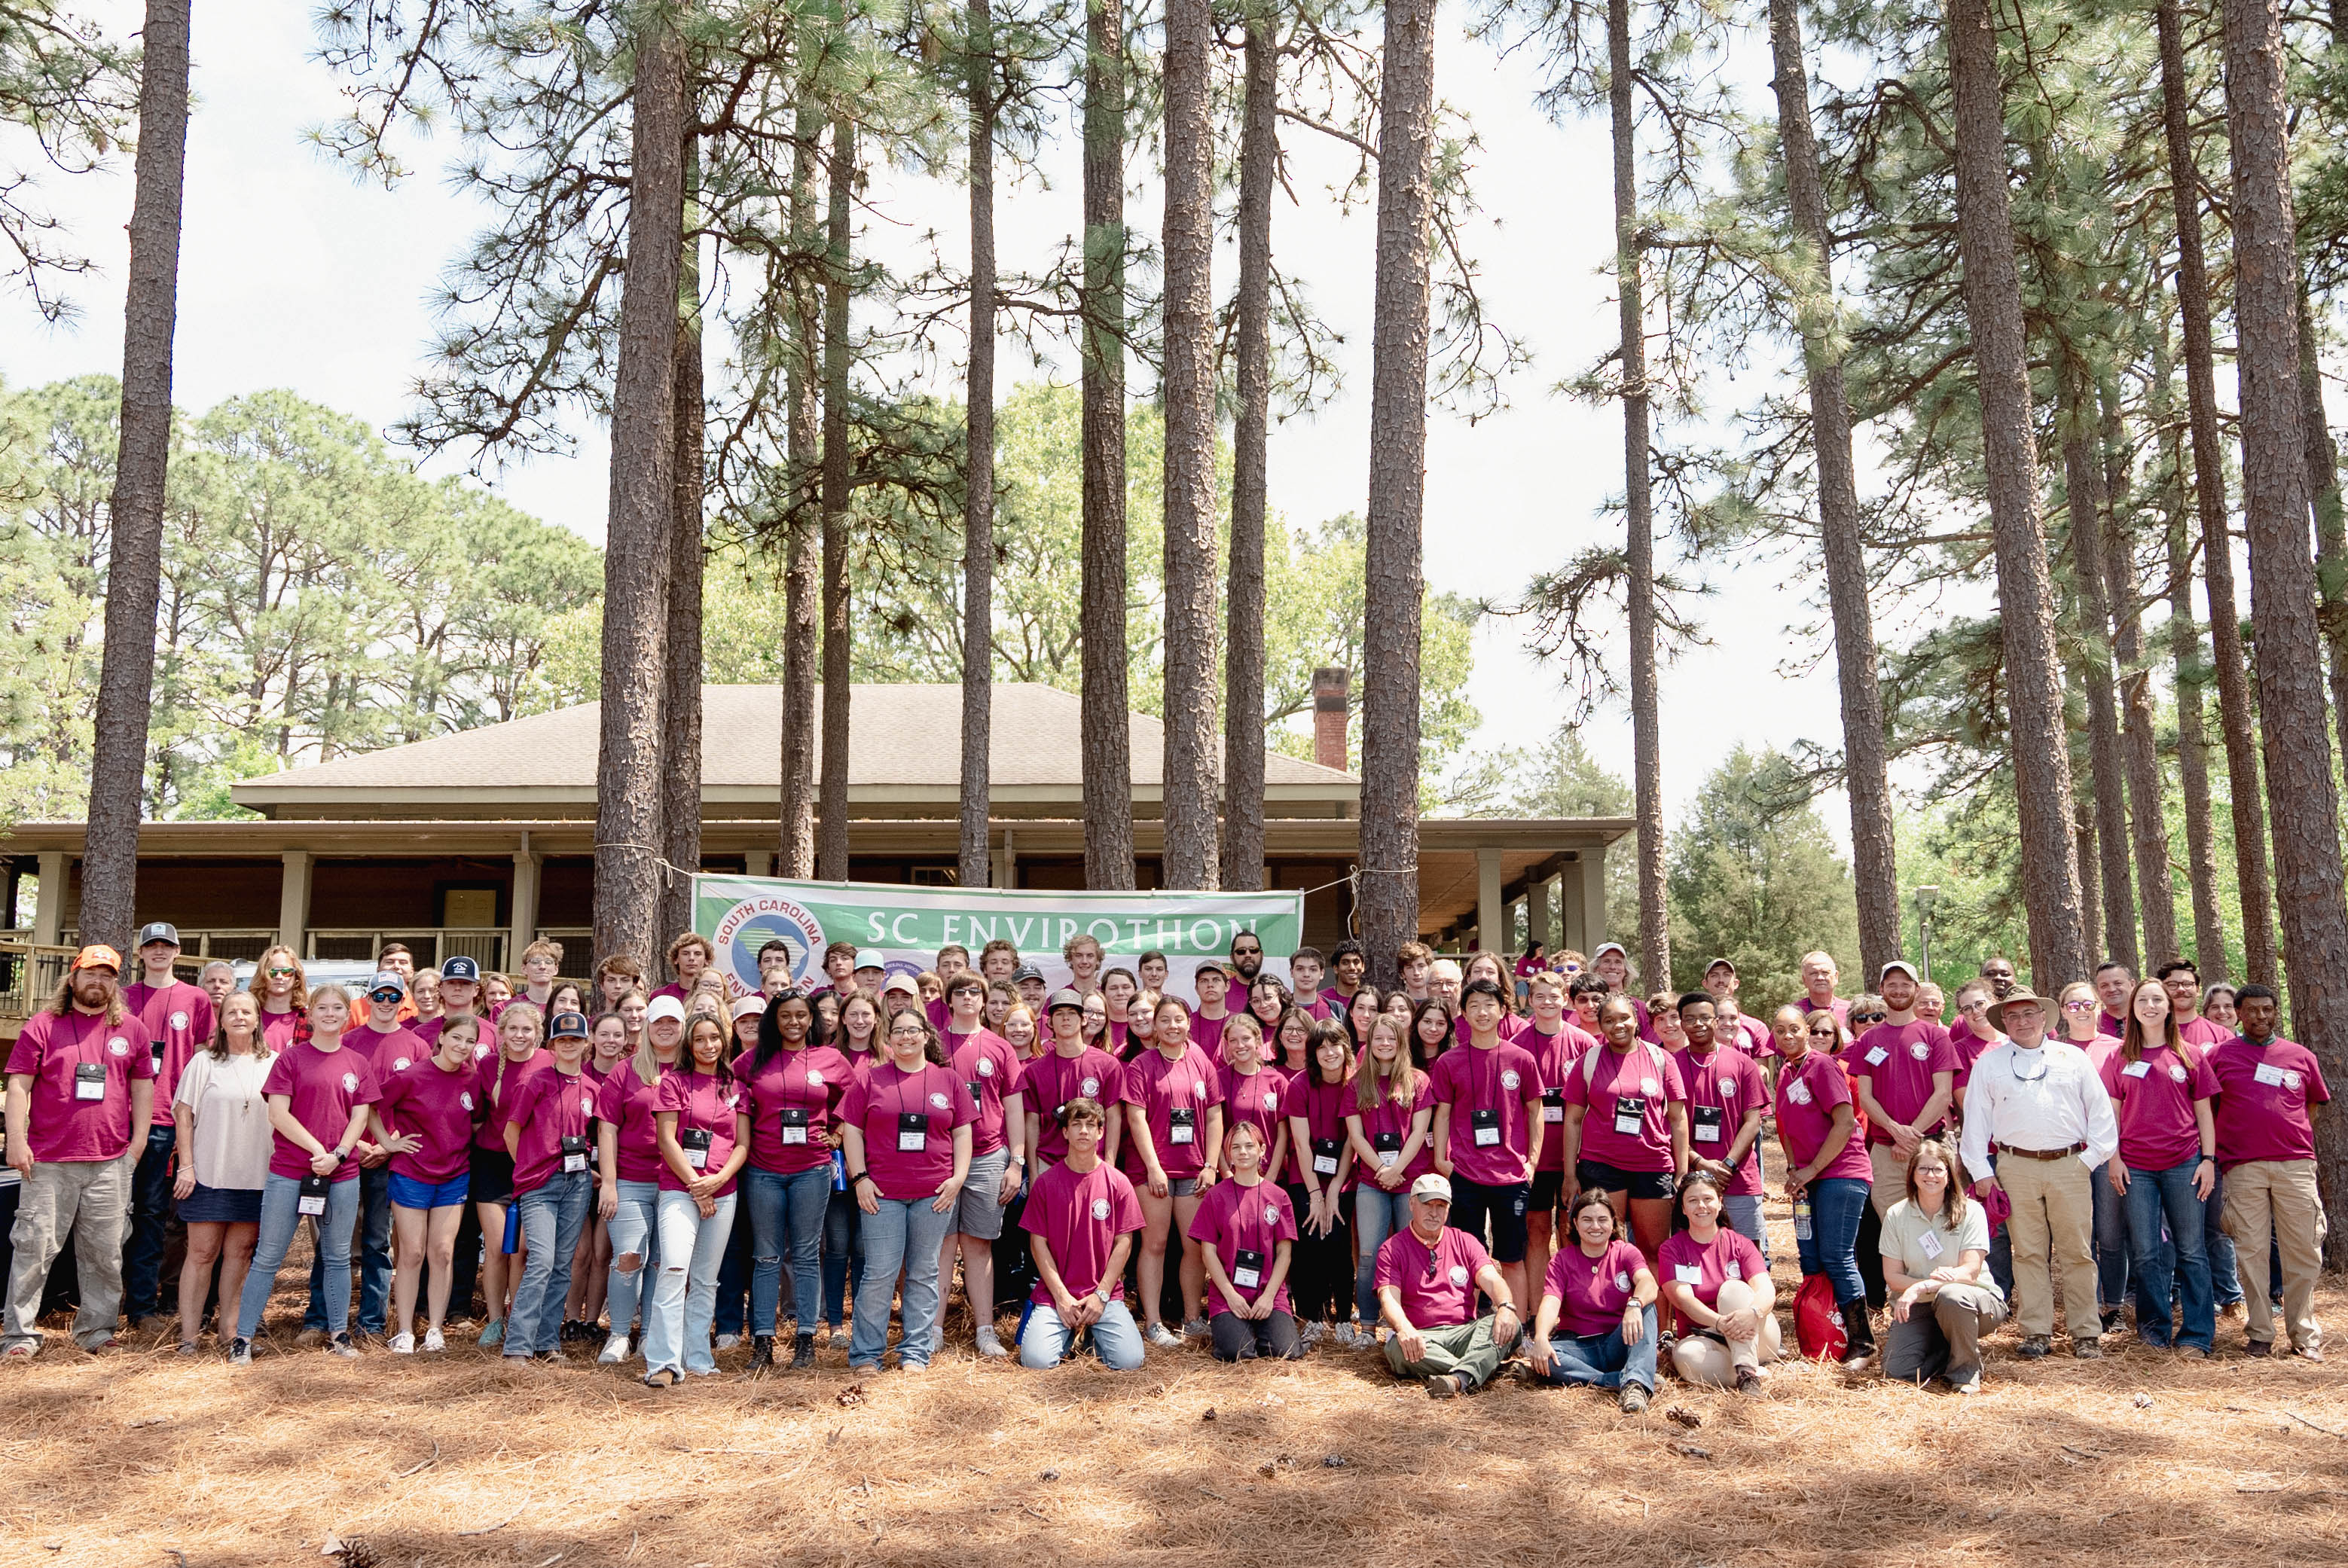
{"x": 1859, "y": 1335}
{"x": 802, "y": 1352}
{"x": 762, "y": 1354}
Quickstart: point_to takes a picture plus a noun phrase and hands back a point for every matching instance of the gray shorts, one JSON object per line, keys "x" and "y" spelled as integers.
{"x": 976, "y": 1211}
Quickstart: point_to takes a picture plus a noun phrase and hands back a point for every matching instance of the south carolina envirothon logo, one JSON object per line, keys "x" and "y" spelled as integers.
{"x": 751, "y": 923}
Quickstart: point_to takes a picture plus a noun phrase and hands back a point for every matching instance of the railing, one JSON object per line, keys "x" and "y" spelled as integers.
{"x": 237, "y": 945}
{"x": 484, "y": 945}
{"x": 29, "y": 974}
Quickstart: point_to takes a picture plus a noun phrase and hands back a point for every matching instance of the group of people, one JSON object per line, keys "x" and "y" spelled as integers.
{"x": 1476, "y": 1164}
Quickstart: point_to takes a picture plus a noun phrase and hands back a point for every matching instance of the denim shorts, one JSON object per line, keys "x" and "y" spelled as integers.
{"x": 408, "y": 1192}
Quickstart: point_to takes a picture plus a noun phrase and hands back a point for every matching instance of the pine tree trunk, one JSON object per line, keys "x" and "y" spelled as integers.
{"x": 2090, "y": 880}
{"x": 1993, "y": 309}
{"x": 681, "y": 689}
{"x": 1243, "y": 653}
{"x": 637, "y": 547}
{"x": 2140, "y": 744}
{"x": 1189, "y": 242}
{"x": 1106, "y": 722}
{"x": 974, "y": 869}
{"x": 1393, "y": 588}
{"x": 802, "y": 541}
{"x": 1874, "y": 867}
{"x": 2083, "y": 485}
{"x": 1646, "y": 719}
{"x": 134, "y": 569}
{"x": 2300, "y": 790}
{"x": 2330, "y": 526}
{"x": 2235, "y": 719}
{"x": 2192, "y": 738}
{"x": 831, "y": 829}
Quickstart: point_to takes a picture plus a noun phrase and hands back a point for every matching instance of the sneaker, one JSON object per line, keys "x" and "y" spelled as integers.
{"x": 802, "y": 1352}
{"x": 2034, "y": 1347}
{"x": 1449, "y": 1386}
{"x": 615, "y": 1351}
{"x": 2310, "y": 1353}
{"x": 309, "y": 1338}
{"x": 727, "y": 1341}
{"x": 937, "y": 1336}
{"x": 1748, "y": 1382}
{"x": 189, "y": 1347}
{"x": 494, "y": 1335}
{"x": 1969, "y": 1386}
{"x": 2087, "y": 1349}
{"x": 990, "y": 1343}
{"x": 403, "y": 1343}
{"x": 1312, "y": 1333}
{"x": 1634, "y": 1399}
{"x": 2115, "y": 1319}
{"x": 341, "y": 1345}
{"x": 433, "y": 1343}
{"x": 240, "y": 1353}
{"x": 1195, "y": 1330}
{"x": 1158, "y": 1334}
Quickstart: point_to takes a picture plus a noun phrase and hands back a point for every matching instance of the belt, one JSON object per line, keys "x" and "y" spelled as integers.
{"x": 2042, "y": 1153}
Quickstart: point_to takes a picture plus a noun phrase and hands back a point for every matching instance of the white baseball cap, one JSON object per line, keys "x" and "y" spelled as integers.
{"x": 1431, "y": 1185}
{"x": 664, "y": 1007}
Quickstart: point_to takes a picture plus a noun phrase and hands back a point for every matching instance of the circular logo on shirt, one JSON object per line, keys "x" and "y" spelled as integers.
{"x": 480, "y": 1053}
{"x": 1921, "y": 1051}
{"x": 2291, "y": 1080}
{"x": 1271, "y": 1100}
{"x": 350, "y": 1083}
{"x": 1508, "y": 1079}
{"x": 178, "y": 1020}
{"x": 1458, "y": 1274}
{"x": 1199, "y": 1089}
{"x": 399, "y": 1064}
{"x": 986, "y": 1067}
{"x": 586, "y": 1106}
{"x": 1091, "y": 1086}
{"x": 1731, "y": 1269}
{"x": 1100, "y": 1208}
{"x": 1728, "y": 1087}
{"x": 465, "y": 1098}
{"x": 1799, "y": 1093}
{"x": 119, "y": 1046}
{"x": 1622, "y": 1279}
{"x": 940, "y": 1102}
{"x": 1649, "y": 1086}
{"x": 2176, "y": 1072}
{"x": 733, "y": 1098}
{"x": 815, "y": 1078}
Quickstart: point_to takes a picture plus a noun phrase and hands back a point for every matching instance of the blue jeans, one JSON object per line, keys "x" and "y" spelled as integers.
{"x": 843, "y": 1255}
{"x": 151, "y": 1209}
{"x": 684, "y": 1292}
{"x": 635, "y": 1228}
{"x": 2225, "y": 1281}
{"x": 907, "y": 1234}
{"x": 374, "y": 1258}
{"x": 1835, "y": 1203}
{"x": 1743, "y": 1214}
{"x": 1044, "y": 1341}
{"x": 2111, "y": 1241}
{"x": 1377, "y": 1214}
{"x": 2153, "y": 1196}
{"x": 786, "y": 1211}
{"x": 551, "y": 1218}
{"x": 733, "y": 1276}
{"x": 1603, "y": 1360}
{"x": 281, "y": 1216}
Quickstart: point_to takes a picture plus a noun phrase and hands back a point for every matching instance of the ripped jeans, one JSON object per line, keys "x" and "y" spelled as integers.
{"x": 635, "y": 1229}
{"x": 685, "y": 1291}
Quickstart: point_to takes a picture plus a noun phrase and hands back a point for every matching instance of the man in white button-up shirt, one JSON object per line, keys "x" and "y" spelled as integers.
{"x": 2038, "y": 1107}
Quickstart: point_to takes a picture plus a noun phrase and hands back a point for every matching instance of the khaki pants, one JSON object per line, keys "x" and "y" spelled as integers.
{"x": 1462, "y": 1348}
{"x": 2053, "y": 1229}
{"x": 1942, "y": 1335}
{"x": 2277, "y": 1195}
{"x": 90, "y": 1198}
{"x": 1890, "y": 1170}
{"x": 1703, "y": 1360}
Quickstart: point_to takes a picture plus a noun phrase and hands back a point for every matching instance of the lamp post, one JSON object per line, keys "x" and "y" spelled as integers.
{"x": 1926, "y": 897}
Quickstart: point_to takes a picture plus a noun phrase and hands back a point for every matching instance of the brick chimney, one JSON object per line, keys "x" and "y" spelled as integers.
{"x": 1330, "y": 683}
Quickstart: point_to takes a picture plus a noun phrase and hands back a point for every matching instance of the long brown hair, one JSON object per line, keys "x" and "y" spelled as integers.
{"x": 259, "y": 984}
{"x": 1953, "y": 1207}
{"x": 1402, "y": 1083}
{"x": 2132, "y": 1028}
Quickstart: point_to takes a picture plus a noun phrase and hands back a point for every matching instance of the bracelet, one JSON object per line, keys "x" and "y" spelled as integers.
{"x": 861, "y": 1176}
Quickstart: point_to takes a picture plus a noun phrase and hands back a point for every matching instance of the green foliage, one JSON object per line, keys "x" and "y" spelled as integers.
{"x": 67, "y": 90}
{"x": 1754, "y": 879}
{"x": 1557, "y": 778}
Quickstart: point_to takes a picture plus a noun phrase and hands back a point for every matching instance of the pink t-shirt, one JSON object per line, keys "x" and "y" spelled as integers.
{"x": 1439, "y": 1283}
{"x": 280, "y": 1028}
{"x": 1385, "y": 1127}
{"x": 1207, "y": 1034}
{"x": 1806, "y": 1096}
{"x": 1553, "y": 1056}
{"x": 1722, "y": 1086}
{"x": 178, "y": 1019}
{"x": 790, "y": 1103}
{"x": 912, "y": 1158}
{"x": 497, "y": 1091}
{"x": 629, "y": 1104}
{"x": 435, "y": 1106}
{"x": 2200, "y": 1032}
{"x": 1900, "y": 1061}
{"x": 1260, "y": 1098}
{"x": 1317, "y": 1008}
{"x": 1621, "y": 1088}
{"x": 1591, "y": 1292}
{"x": 1705, "y": 1266}
{"x": 1246, "y": 1225}
{"x": 55, "y": 1053}
{"x": 2153, "y": 1098}
{"x": 388, "y": 1051}
{"x": 1487, "y": 1091}
{"x": 322, "y": 1088}
{"x": 1511, "y": 1026}
{"x": 1173, "y": 1097}
{"x": 1079, "y": 1216}
{"x": 1322, "y": 1107}
{"x": 429, "y": 1032}
{"x": 552, "y": 1106}
{"x": 701, "y": 1106}
{"x": 2263, "y": 1094}
{"x": 1051, "y": 1081}
{"x": 989, "y": 1071}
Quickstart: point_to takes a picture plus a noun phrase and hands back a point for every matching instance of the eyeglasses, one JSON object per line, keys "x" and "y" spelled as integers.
{"x": 1822, "y": 1033}
{"x": 2077, "y": 1007}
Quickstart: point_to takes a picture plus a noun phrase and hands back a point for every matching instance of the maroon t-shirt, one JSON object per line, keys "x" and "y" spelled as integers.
{"x": 629, "y": 1104}
{"x": 1705, "y": 1266}
{"x": 322, "y": 1088}
{"x": 178, "y": 1019}
{"x": 1591, "y": 1292}
{"x": 1636, "y": 1089}
{"x": 701, "y": 1106}
{"x": 988, "y": 1070}
{"x": 53, "y": 1051}
{"x": 2152, "y": 1099}
{"x": 388, "y": 1050}
{"x": 2263, "y": 1093}
{"x": 1051, "y": 1081}
{"x": 552, "y": 1106}
{"x": 1162, "y": 1089}
{"x": 1207, "y": 1034}
{"x": 437, "y": 1106}
{"x": 1553, "y": 1054}
{"x": 1722, "y": 1086}
{"x": 1806, "y": 1096}
{"x": 907, "y": 1159}
{"x": 1322, "y": 1107}
{"x": 279, "y": 1028}
{"x": 1385, "y": 1127}
{"x": 1081, "y": 1216}
{"x": 498, "y": 1090}
{"x": 1260, "y": 1098}
{"x": 1487, "y": 1091}
{"x": 1439, "y": 1283}
{"x": 1900, "y": 1061}
{"x": 791, "y": 1101}
{"x": 1246, "y": 1227}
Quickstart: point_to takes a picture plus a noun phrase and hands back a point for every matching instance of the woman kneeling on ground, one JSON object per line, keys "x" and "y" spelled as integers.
{"x": 1935, "y": 1244}
{"x": 1720, "y": 1287}
{"x": 1246, "y": 1228}
{"x": 1600, "y": 1291}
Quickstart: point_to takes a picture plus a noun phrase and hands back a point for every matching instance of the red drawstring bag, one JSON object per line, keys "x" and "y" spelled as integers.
{"x": 1818, "y": 1321}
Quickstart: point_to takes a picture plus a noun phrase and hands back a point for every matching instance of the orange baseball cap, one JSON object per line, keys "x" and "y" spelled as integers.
{"x": 98, "y": 956}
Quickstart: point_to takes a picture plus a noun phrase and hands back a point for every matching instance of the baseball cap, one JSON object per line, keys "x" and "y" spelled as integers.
{"x": 904, "y": 983}
{"x": 1903, "y": 966}
{"x": 1728, "y": 964}
{"x": 664, "y": 1007}
{"x": 461, "y": 967}
{"x": 1065, "y": 997}
{"x": 1025, "y": 973}
{"x": 568, "y": 1026}
{"x": 98, "y": 956}
{"x": 387, "y": 980}
{"x": 750, "y": 1007}
{"x": 1606, "y": 947}
{"x": 158, "y": 931}
{"x": 1203, "y": 964}
{"x": 1431, "y": 1185}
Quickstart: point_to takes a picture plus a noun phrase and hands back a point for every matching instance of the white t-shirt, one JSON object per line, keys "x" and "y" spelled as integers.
{"x": 232, "y": 1133}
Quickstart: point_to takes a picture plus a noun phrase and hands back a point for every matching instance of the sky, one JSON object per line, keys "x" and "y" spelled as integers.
{"x": 295, "y": 275}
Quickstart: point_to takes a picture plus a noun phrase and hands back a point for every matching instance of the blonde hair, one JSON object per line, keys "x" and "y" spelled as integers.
{"x": 1402, "y": 1083}
{"x": 260, "y": 1047}
{"x": 260, "y": 984}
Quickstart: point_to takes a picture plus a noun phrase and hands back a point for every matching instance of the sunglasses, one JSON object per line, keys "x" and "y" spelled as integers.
{"x": 1822, "y": 1033}
{"x": 1868, "y": 1017}
{"x": 1247, "y": 952}
{"x": 2077, "y": 1007}
{"x": 276, "y": 973}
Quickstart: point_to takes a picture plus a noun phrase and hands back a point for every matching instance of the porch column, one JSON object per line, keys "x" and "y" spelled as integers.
{"x": 1537, "y": 913}
{"x": 758, "y": 863}
{"x": 50, "y": 909}
{"x": 1593, "y": 897}
{"x": 293, "y": 902}
{"x": 526, "y": 865}
{"x": 1491, "y": 914}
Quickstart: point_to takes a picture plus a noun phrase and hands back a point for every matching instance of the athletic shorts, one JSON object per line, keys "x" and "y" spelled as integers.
{"x": 1615, "y": 1179}
{"x": 408, "y": 1192}
{"x": 1473, "y": 1204}
{"x": 491, "y": 1176}
{"x": 1548, "y": 1192}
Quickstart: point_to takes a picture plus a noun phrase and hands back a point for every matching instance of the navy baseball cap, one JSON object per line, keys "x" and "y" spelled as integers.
{"x": 461, "y": 967}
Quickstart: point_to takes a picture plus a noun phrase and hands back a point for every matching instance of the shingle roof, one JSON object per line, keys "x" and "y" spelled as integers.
{"x": 903, "y": 737}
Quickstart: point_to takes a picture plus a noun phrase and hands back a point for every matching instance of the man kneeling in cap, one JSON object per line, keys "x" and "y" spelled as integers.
{"x": 1427, "y": 1278}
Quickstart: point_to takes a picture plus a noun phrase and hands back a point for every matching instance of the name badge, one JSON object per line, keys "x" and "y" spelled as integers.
{"x": 1929, "y": 1245}
{"x": 1877, "y": 1057}
{"x": 696, "y": 1142}
{"x": 1325, "y": 1152}
{"x": 1487, "y": 1128}
{"x": 1688, "y": 1273}
{"x": 311, "y": 1199}
{"x": 2270, "y": 1075}
{"x": 1388, "y": 1147}
{"x": 574, "y": 1156}
{"x": 1629, "y": 1114}
{"x": 972, "y": 1084}
{"x": 2136, "y": 1069}
{"x": 1707, "y": 1120}
{"x": 89, "y": 1079}
{"x": 1181, "y": 1125}
{"x": 1552, "y": 1105}
{"x": 794, "y": 1120}
{"x": 1247, "y": 1269}
{"x": 913, "y": 1131}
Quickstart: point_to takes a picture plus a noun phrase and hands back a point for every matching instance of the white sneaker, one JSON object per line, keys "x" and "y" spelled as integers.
{"x": 1158, "y": 1334}
{"x": 433, "y": 1343}
{"x": 1195, "y": 1330}
{"x": 989, "y": 1342}
{"x": 615, "y": 1351}
{"x": 727, "y": 1341}
{"x": 403, "y": 1343}
{"x": 1312, "y": 1332}
{"x": 937, "y": 1336}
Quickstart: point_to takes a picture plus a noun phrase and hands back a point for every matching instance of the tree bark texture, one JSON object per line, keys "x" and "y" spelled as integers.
{"x": 1992, "y": 291}
{"x": 2236, "y": 717}
{"x": 1106, "y": 723}
{"x": 1394, "y": 588}
{"x": 134, "y": 569}
{"x": 802, "y": 541}
{"x": 2193, "y": 743}
{"x": 1866, "y": 774}
{"x": 2299, "y": 792}
{"x": 1252, "y": 437}
{"x": 2140, "y": 744}
{"x": 974, "y": 867}
{"x": 2090, "y": 880}
{"x": 1646, "y": 718}
{"x": 638, "y": 537}
{"x": 2330, "y": 526}
{"x": 681, "y": 656}
{"x": 2083, "y": 489}
{"x": 832, "y": 828}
